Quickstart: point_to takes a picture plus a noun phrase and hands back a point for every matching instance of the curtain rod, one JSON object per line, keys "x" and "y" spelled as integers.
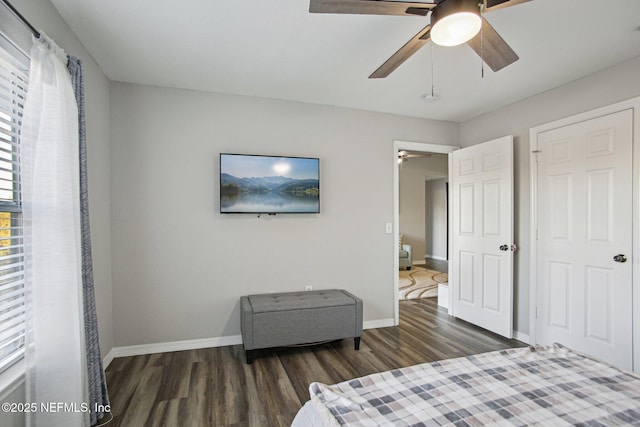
{"x": 35, "y": 32}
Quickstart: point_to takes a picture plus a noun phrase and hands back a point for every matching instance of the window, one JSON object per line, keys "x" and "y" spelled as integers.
{"x": 13, "y": 89}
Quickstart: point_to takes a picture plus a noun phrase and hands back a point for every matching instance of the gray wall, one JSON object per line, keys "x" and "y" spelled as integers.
{"x": 180, "y": 267}
{"x": 412, "y": 213}
{"x": 44, "y": 16}
{"x": 604, "y": 88}
{"x": 436, "y": 218}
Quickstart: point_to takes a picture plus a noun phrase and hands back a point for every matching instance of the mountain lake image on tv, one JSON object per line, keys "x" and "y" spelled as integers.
{"x": 269, "y": 184}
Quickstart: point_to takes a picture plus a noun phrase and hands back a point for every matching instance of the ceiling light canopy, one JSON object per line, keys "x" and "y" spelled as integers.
{"x": 454, "y": 22}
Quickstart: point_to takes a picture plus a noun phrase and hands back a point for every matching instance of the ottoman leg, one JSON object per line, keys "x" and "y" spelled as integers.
{"x": 356, "y": 343}
{"x": 249, "y": 355}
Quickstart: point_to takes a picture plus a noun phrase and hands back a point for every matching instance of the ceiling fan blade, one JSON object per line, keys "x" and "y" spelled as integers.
{"x": 492, "y": 5}
{"x": 370, "y": 7}
{"x": 492, "y": 48}
{"x": 402, "y": 54}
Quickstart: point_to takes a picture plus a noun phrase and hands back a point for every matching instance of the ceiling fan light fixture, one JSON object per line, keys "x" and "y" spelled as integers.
{"x": 454, "y": 22}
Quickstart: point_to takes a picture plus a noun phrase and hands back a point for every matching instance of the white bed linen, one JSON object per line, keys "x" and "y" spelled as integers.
{"x": 314, "y": 414}
{"x": 539, "y": 385}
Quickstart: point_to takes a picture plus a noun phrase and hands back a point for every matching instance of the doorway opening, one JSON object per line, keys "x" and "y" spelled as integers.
{"x": 423, "y": 171}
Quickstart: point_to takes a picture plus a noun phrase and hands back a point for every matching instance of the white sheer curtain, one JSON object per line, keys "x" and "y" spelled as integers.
{"x": 55, "y": 351}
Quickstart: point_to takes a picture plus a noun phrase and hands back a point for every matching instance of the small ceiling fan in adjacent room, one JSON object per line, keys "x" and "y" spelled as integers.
{"x": 404, "y": 155}
{"x": 452, "y": 22}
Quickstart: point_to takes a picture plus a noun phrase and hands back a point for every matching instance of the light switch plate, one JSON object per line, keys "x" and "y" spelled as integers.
{"x": 388, "y": 228}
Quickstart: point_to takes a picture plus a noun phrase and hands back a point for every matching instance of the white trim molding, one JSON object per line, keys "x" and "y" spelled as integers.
{"x": 107, "y": 359}
{"x": 522, "y": 337}
{"x": 380, "y": 323}
{"x": 441, "y": 258}
{"x": 165, "y": 347}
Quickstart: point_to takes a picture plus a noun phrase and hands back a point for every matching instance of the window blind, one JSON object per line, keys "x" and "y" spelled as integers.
{"x": 13, "y": 91}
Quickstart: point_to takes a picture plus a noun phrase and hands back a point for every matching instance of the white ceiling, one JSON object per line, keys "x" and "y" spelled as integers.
{"x": 277, "y": 49}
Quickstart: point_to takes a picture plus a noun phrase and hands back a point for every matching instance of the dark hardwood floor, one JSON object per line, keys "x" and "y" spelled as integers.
{"x": 215, "y": 387}
{"x": 437, "y": 265}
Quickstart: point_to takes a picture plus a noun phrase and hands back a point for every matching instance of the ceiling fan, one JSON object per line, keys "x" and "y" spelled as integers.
{"x": 404, "y": 155}
{"x": 453, "y": 22}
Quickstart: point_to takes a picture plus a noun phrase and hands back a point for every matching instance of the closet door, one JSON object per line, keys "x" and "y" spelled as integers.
{"x": 584, "y": 214}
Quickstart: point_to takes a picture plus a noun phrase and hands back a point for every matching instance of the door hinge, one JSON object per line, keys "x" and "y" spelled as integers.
{"x": 536, "y": 312}
{"x": 536, "y": 152}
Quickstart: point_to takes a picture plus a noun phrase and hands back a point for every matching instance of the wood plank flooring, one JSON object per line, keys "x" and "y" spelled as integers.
{"x": 437, "y": 265}
{"x": 215, "y": 387}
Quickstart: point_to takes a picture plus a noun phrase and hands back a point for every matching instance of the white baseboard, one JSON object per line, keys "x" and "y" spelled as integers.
{"x": 137, "y": 350}
{"x": 164, "y": 347}
{"x": 380, "y": 323}
{"x": 443, "y": 295}
{"x": 418, "y": 262}
{"x": 107, "y": 359}
{"x": 441, "y": 258}
{"x": 521, "y": 337}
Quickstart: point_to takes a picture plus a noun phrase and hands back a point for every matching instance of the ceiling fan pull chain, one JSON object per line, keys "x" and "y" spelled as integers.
{"x": 482, "y": 5}
{"x": 433, "y": 94}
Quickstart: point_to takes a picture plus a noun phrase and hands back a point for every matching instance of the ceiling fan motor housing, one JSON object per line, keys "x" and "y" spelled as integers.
{"x": 449, "y": 7}
{"x": 454, "y": 22}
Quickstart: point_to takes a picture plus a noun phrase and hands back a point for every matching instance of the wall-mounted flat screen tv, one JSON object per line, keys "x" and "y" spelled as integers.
{"x": 269, "y": 184}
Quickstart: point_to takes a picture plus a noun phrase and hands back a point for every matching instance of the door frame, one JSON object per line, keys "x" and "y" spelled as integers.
{"x": 631, "y": 104}
{"x": 397, "y": 147}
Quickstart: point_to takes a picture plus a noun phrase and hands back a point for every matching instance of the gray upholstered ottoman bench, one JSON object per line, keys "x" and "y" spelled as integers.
{"x": 289, "y": 318}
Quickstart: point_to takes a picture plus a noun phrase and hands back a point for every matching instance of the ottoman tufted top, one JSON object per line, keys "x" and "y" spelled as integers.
{"x": 264, "y": 303}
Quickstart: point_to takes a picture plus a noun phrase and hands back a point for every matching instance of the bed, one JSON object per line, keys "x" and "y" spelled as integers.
{"x": 537, "y": 385}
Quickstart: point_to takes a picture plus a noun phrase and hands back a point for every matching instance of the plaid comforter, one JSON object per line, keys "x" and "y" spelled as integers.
{"x": 550, "y": 386}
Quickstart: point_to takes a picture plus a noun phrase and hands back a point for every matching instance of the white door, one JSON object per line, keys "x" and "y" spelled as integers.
{"x": 481, "y": 274}
{"x": 584, "y": 220}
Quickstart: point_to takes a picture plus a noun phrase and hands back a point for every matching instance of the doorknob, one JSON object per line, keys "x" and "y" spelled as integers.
{"x": 620, "y": 258}
{"x": 511, "y": 248}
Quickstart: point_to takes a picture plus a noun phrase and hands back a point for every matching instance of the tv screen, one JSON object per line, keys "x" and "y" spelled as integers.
{"x": 269, "y": 184}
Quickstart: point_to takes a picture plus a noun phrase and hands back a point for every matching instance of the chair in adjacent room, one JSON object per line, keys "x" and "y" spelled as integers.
{"x": 406, "y": 255}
